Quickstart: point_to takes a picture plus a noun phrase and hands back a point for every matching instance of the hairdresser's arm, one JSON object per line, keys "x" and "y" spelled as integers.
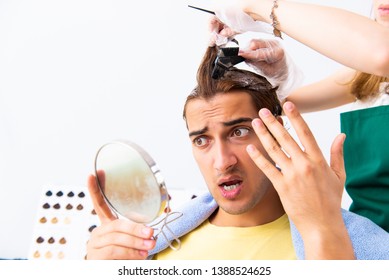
{"x": 332, "y": 91}
{"x": 351, "y": 39}
{"x": 116, "y": 239}
{"x": 348, "y": 38}
{"x": 310, "y": 190}
{"x": 268, "y": 58}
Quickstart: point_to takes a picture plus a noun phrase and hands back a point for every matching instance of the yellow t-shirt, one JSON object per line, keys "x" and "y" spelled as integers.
{"x": 271, "y": 241}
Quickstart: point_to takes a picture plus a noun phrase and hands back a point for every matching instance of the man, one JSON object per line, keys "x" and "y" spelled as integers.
{"x": 268, "y": 198}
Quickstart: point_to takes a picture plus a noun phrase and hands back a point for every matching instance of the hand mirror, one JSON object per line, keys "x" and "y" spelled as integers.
{"x": 130, "y": 181}
{"x": 133, "y": 187}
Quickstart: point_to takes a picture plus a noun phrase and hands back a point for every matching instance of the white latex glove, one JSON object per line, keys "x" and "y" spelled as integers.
{"x": 231, "y": 13}
{"x": 222, "y": 31}
{"x": 230, "y": 19}
{"x": 241, "y": 22}
{"x": 268, "y": 58}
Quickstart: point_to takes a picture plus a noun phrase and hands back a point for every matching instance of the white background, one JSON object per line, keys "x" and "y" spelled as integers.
{"x": 76, "y": 74}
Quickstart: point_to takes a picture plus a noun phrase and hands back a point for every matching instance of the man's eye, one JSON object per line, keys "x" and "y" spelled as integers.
{"x": 200, "y": 141}
{"x": 240, "y": 132}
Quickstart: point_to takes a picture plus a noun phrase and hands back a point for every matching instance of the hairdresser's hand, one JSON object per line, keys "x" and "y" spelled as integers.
{"x": 231, "y": 19}
{"x": 310, "y": 189}
{"x": 115, "y": 238}
{"x": 220, "y": 32}
{"x": 267, "y": 57}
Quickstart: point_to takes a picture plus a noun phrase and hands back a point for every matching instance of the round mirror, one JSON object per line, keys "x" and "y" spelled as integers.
{"x": 130, "y": 181}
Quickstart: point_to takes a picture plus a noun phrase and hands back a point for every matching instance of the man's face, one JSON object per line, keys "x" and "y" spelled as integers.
{"x": 220, "y": 130}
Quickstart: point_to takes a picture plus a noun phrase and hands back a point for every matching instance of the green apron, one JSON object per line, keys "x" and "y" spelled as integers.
{"x": 366, "y": 156}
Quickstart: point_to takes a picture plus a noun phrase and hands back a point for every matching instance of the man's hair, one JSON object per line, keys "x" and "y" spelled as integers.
{"x": 262, "y": 93}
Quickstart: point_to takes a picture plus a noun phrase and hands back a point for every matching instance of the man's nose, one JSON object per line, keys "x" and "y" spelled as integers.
{"x": 224, "y": 157}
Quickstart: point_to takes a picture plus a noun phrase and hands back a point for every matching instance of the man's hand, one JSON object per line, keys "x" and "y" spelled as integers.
{"x": 310, "y": 189}
{"x": 115, "y": 238}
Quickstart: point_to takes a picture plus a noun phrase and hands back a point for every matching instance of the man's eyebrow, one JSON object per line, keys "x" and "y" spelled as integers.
{"x": 198, "y": 132}
{"x": 237, "y": 121}
{"x": 229, "y": 123}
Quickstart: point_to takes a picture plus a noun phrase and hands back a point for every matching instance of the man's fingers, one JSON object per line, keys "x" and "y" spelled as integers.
{"x": 117, "y": 253}
{"x": 126, "y": 234}
{"x": 336, "y": 159}
{"x": 264, "y": 164}
{"x": 127, "y": 227}
{"x": 271, "y": 146}
{"x": 302, "y": 130}
{"x": 102, "y": 209}
{"x": 120, "y": 239}
{"x": 281, "y": 136}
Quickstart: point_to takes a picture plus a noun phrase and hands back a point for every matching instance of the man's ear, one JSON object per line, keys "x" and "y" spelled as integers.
{"x": 281, "y": 120}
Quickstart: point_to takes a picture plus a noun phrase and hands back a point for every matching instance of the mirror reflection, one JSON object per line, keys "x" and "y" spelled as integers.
{"x": 130, "y": 181}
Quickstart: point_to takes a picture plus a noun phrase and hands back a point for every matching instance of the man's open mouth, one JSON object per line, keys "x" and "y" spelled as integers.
{"x": 230, "y": 185}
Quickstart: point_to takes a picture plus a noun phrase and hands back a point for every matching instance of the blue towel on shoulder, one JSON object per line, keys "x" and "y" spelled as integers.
{"x": 194, "y": 213}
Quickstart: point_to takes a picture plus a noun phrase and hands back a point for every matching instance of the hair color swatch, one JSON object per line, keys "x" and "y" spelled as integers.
{"x": 65, "y": 220}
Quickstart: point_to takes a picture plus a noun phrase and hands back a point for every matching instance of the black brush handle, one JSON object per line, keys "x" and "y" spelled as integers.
{"x": 200, "y": 9}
